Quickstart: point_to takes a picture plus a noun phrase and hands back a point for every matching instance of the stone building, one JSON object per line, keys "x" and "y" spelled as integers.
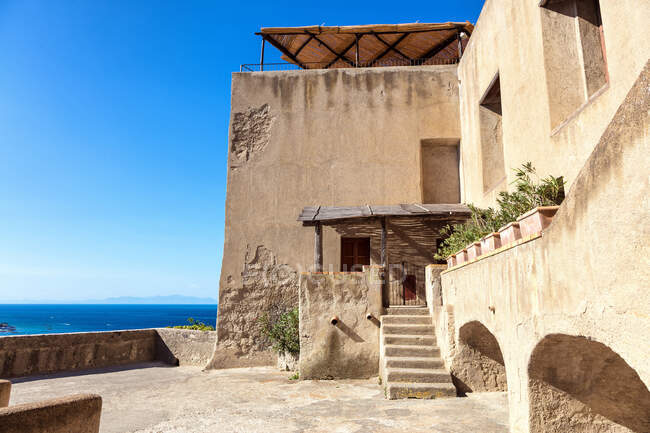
{"x": 355, "y": 159}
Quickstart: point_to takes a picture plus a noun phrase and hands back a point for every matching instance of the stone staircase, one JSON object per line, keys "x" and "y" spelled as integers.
{"x": 410, "y": 363}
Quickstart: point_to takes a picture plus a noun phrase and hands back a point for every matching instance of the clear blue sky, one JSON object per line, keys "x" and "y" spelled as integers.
{"x": 113, "y": 135}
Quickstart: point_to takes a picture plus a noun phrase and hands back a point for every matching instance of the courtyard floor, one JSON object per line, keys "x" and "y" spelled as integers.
{"x": 157, "y": 398}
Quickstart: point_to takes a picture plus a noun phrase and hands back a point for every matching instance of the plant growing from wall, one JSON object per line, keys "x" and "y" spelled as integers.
{"x": 194, "y": 325}
{"x": 282, "y": 331}
{"x": 529, "y": 192}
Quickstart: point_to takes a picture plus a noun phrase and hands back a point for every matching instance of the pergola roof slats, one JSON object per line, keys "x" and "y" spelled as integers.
{"x": 325, "y": 47}
{"x": 312, "y": 214}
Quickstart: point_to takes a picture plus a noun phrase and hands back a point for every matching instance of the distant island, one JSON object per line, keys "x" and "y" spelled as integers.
{"x": 156, "y": 300}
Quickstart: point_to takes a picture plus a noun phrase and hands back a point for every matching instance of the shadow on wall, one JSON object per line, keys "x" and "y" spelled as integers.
{"x": 478, "y": 364}
{"x": 577, "y": 384}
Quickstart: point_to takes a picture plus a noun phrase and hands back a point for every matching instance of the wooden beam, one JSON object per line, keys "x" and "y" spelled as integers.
{"x": 342, "y": 53}
{"x": 332, "y": 51}
{"x": 303, "y": 45}
{"x": 389, "y": 49}
{"x": 318, "y": 247}
{"x": 392, "y": 47}
{"x": 284, "y": 51}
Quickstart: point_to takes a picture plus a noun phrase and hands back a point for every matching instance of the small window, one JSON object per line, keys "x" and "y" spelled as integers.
{"x": 574, "y": 55}
{"x": 355, "y": 253}
{"x": 490, "y": 115}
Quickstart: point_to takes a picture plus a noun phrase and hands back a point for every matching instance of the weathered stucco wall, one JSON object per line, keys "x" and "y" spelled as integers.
{"x": 74, "y": 414}
{"x": 531, "y": 53}
{"x": 570, "y": 311}
{"x": 26, "y": 355}
{"x": 185, "y": 346}
{"x": 349, "y": 349}
{"x": 301, "y": 138}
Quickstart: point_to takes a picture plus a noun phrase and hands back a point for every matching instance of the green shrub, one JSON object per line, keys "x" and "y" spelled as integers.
{"x": 194, "y": 325}
{"x": 282, "y": 331}
{"x": 527, "y": 194}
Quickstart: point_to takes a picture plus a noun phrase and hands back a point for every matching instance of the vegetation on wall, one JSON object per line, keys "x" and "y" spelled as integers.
{"x": 194, "y": 325}
{"x": 282, "y": 331}
{"x": 529, "y": 192}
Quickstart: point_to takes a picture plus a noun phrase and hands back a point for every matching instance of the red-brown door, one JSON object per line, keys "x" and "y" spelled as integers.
{"x": 355, "y": 253}
{"x": 410, "y": 289}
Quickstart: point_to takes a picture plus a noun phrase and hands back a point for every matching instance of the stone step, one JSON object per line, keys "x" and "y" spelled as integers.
{"x": 418, "y": 375}
{"x": 413, "y": 362}
{"x": 406, "y": 340}
{"x": 408, "y": 329}
{"x": 420, "y": 390}
{"x": 407, "y": 350}
{"x": 403, "y": 319}
{"x": 408, "y": 311}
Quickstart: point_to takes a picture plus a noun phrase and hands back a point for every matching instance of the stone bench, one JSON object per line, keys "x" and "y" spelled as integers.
{"x": 73, "y": 414}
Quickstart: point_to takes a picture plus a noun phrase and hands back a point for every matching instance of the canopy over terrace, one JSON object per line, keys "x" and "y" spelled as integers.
{"x": 320, "y": 47}
{"x": 414, "y": 225}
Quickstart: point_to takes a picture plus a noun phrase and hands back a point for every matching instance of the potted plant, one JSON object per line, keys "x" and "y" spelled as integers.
{"x": 473, "y": 251}
{"x": 536, "y": 220}
{"x": 510, "y": 233}
{"x": 490, "y": 242}
{"x": 461, "y": 257}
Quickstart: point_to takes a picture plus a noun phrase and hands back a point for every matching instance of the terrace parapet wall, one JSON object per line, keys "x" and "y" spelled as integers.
{"x": 27, "y": 355}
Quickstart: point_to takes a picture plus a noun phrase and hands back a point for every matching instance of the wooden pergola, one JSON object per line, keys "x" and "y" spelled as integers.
{"x": 321, "y": 47}
{"x": 410, "y": 217}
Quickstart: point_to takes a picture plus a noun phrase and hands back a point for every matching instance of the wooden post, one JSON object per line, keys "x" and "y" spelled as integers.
{"x": 356, "y": 41}
{"x": 384, "y": 273}
{"x": 383, "y": 242}
{"x": 318, "y": 248}
{"x": 460, "y": 46}
{"x": 262, "y": 55}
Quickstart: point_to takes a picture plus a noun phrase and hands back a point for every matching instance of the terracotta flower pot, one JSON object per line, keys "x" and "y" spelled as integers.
{"x": 461, "y": 257}
{"x": 510, "y": 233}
{"x": 490, "y": 242}
{"x": 451, "y": 261}
{"x": 473, "y": 251}
{"x": 536, "y": 220}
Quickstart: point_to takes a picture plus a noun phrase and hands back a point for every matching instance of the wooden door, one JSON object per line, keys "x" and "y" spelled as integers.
{"x": 355, "y": 253}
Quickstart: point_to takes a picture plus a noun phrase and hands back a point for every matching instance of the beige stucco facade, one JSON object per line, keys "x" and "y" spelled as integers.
{"x": 305, "y": 138}
{"x": 513, "y": 38}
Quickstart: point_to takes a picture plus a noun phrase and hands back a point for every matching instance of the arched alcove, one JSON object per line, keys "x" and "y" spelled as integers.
{"x": 579, "y": 385}
{"x": 478, "y": 364}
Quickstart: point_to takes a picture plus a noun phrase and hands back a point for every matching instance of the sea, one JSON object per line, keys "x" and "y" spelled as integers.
{"x": 56, "y": 318}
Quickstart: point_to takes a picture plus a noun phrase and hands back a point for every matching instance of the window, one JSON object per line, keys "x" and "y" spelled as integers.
{"x": 355, "y": 253}
{"x": 439, "y": 162}
{"x": 574, "y": 55}
{"x": 493, "y": 166}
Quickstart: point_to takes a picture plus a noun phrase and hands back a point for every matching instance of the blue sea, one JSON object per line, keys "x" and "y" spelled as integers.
{"x": 55, "y": 318}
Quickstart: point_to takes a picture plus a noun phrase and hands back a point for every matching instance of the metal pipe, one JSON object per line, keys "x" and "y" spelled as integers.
{"x": 369, "y": 316}
{"x": 334, "y": 320}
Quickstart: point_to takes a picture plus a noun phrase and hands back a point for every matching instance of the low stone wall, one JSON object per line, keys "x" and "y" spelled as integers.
{"x": 74, "y": 414}
{"x": 5, "y": 393}
{"x": 27, "y": 355}
{"x": 349, "y": 349}
{"x": 185, "y": 347}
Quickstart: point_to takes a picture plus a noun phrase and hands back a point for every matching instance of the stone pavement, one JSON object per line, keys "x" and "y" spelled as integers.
{"x": 156, "y": 398}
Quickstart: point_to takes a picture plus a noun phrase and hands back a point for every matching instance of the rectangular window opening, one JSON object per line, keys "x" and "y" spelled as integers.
{"x": 439, "y": 169}
{"x": 490, "y": 113}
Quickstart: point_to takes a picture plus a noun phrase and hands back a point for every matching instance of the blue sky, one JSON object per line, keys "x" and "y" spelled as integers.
{"x": 113, "y": 135}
